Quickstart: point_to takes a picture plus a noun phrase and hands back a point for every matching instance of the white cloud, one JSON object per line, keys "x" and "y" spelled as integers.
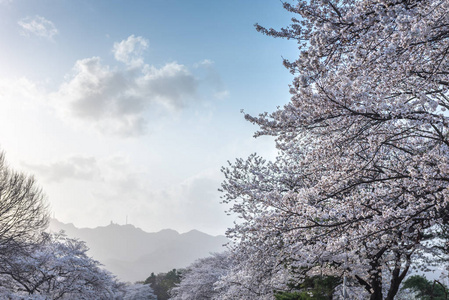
{"x": 117, "y": 101}
{"x": 96, "y": 91}
{"x": 130, "y": 51}
{"x": 38, "y": 26}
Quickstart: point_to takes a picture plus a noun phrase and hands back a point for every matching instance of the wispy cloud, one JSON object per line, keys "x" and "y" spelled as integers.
{"x": 38, "y": 26}
{"x": 118, "y": 188}
{"x": 130, "y": 51}
{"x": 183, "y": 202}
{"x": 212, "y": 79}
{"x": 75, "y": 167}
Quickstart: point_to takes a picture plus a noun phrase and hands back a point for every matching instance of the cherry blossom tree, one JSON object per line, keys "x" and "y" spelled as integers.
{"x": 139, "y": 291}
{"x": 244, "y": 281}
{"x": 363, "y": 167}
{"x": 199, "y": 280}
{"x": 57, "y": 268}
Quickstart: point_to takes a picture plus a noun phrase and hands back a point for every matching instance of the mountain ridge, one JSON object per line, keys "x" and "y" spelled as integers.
{"x": 132, "y": 254}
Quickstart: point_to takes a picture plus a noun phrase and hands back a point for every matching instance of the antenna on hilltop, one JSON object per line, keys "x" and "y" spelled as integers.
{"x": 126, "y": 219}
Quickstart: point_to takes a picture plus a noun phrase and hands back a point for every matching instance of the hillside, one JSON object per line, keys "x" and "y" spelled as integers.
{"x": 132, "y": 254}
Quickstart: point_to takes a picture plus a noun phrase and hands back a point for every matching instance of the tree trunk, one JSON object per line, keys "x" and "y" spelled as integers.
{"x": 376, "y": 289}
{"x": 398, "y": 276}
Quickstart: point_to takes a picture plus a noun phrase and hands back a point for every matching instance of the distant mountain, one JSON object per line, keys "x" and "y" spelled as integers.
{"x": 132, "y": 254}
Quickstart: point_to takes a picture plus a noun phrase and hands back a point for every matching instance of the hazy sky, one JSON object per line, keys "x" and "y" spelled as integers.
{"x": 130, "y": 108}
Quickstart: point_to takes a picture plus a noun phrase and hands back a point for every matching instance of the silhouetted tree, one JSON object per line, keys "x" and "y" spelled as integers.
{"x": 425, "y": 289}
{"x": 162, "y": 283}
{"x": 23, "y": 211}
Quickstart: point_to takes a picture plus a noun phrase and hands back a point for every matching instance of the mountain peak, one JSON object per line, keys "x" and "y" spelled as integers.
{"x": 168, "y": 231}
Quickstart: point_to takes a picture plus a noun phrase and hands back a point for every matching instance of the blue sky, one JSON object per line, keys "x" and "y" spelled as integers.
{"x": 130, "y": 108}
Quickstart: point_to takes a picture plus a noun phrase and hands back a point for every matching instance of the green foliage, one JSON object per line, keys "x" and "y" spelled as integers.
{"x": 425, "y": 289}
{"x": 293, "y": 296}
{"x": 162, "y": 283}
{"x": 316, "y": 287}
